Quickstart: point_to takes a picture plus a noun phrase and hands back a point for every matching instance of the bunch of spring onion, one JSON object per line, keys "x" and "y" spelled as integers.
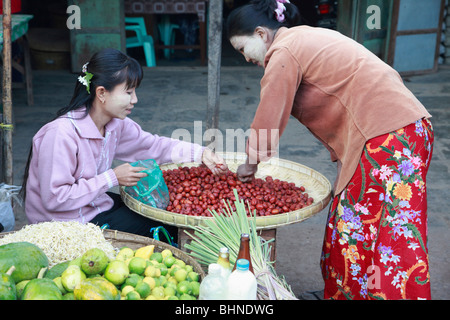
{"x": 225, "y": 230}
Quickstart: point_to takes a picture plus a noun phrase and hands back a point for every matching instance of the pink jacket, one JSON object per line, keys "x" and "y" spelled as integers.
{"x": 70, "y": 170}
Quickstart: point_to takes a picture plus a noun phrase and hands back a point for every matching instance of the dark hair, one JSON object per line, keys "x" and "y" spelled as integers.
{"x": 245, "y": 19}
{"x": 109, "y": 67}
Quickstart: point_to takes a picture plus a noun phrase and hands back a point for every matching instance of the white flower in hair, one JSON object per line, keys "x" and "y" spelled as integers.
{"x": 83, "y": 81}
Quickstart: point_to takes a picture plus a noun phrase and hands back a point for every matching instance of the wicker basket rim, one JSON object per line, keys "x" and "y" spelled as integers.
{"x": 321, "y": 199}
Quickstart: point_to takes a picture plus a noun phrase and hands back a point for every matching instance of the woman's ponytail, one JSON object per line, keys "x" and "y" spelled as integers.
{"x": 272, "y": 14}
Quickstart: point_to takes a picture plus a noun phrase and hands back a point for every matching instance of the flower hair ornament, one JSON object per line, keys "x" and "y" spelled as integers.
{"x": 279, "y": 11}
{"x": 86, "y": 80}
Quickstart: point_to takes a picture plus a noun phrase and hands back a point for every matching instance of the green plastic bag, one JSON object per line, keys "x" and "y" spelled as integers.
{"x": 152, "y": 189}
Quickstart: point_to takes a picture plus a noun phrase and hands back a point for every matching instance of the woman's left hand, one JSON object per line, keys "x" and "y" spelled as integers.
{"x": 214, "y": 162}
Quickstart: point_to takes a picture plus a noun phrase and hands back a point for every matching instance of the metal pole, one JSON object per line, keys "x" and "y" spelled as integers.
{"x": 214, "y": 61}
{"x": 7, "y": 100}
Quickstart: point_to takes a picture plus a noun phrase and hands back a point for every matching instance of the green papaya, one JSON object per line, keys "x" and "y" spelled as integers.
{"x": 7, "y": 285}
{"x": 97, "y": 288}
{"x": 57, "y": 270}
{"x": 41, "y": 289}
{"x": 27, "y": 258}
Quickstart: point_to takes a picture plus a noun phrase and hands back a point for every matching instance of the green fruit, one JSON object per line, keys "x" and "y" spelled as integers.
{"x": 143, "y": 289}
{"x": 71, "y": 277}
{"x": 97, "y": 288}
{"x": 76, "y": 262}
{"x": 184, "y": 287}
{"x": 20, "y": 286}
{"x": 7, "y": 285}
{"x": 133, "y": 295}
{"x": 180, "y": 275}
{"x": 173, "y": 298}
{"x": 169, "y": 261}
{"x": 57, "y": 270}
{"x": 69, "y": 296}
{"x": 116, "y": 272}
{"x": 94, "y": 261}
{"x": 27, "y": 258}
{"x": 59, "y": 284}
{"x": 132, "y": 280}
{"x": 137, "y": 265}
{"x": 195, "y": 288}
{"x": 169, "y": 291}
{"x": 125, "y": 253}
{"x": 192, "y": 276}
{"x": 157, "y": 256}
{"x": 158, "y": 293}
{"x": 186, "y": 296}
{"x": 41, "y": 289}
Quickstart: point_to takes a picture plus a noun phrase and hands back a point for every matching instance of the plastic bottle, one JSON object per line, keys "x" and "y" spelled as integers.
{"x": 224, "y": 261}
{"x": 244, "y": 251}
{"x": 241, "y": 284}
{"x": 213, "y": 287}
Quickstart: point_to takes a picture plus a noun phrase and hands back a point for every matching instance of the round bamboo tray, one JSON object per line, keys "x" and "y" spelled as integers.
{"x": 316, "y": 185}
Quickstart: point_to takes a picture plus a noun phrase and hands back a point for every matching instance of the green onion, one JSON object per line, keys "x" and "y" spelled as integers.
{"x": 225, "y": 230}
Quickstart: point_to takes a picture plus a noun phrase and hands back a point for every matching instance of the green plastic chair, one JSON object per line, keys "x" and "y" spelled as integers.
{"x": 142, "y": 39}
{"x": 167, "y": 33}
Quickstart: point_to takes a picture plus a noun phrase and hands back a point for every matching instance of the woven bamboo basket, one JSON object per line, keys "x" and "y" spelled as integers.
{"x": 316, "y": 185}
{"x": 123, "y": 239}
{"x": 120, "y": 239}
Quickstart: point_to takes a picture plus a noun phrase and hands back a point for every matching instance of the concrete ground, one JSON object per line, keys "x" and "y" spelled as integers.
{"x": 172, "y": 98}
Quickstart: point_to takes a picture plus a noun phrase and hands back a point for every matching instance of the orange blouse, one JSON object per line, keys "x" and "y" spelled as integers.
{"x": 342, "y": 92}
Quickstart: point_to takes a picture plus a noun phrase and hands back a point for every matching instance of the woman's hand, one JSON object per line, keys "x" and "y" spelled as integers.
{"x": 127, "y": 175}
{"x": 246, "y": 172}
{"x": 214, "y": 162}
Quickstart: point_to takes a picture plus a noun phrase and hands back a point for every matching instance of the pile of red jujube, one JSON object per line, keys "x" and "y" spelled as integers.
{"x": 195, "y": 191}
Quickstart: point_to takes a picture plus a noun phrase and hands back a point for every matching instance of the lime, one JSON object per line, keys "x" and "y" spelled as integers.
{"x": 192, "y": 276}
{"x": 125, "y": 290}
{"x": 162, "y": 280}
{"x": 173, "y": 298}
{"x": 170, "y": 284}
{"x": 183, "y": 287}
{"x": 151, "y": 282}
{"x": 162, "y": 267}
{"x": 132, "y": 279}
{"x": 174, "y": 269}
{"x": 195, "y": 288}
{"x": 169, "y": 261}
{"x": 172, "y": 280}
{"x": 137, "y": 265}
{"x": 116, "y": 272}
{"x": 180, "y": 263}
{"x": 157, "y": 256}
{"x": 143, "y": 288}
{"x": 166, "y": 253}
{"x": 180, "y": 275}
{"x": 189, "y": 268}
{"x": 151, "y": 297}
{"x": 133, "y": 295}
{"x": 170, "y": 291}
{"x": 125, "y": 253}
{"x": 158, "y": 293}
{"x": 186, "y": 296}
{"x": 152, "y": 271}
